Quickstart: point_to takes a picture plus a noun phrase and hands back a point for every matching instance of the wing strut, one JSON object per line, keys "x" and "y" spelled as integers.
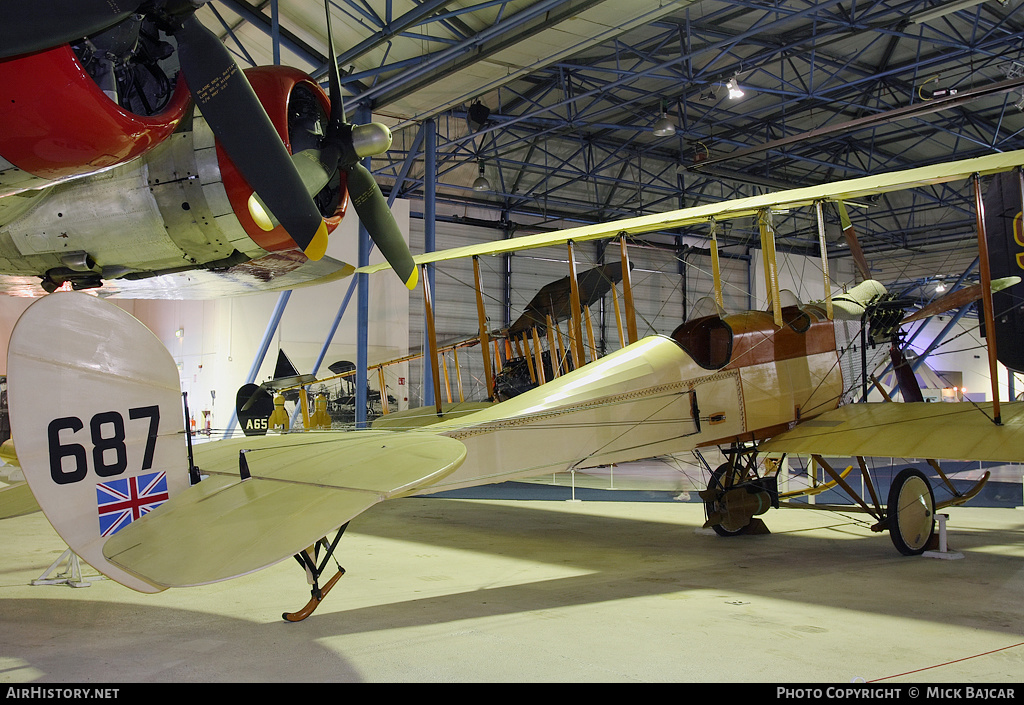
{"x": 485, "y": 343}
{"x": 986, "y": 297}
{"x": 822, "y": 245}
{"x": 627, "y": 292}
{"x": 579, "y": 353}
{"x": 771, "y": 273}
{"x": 716, "y": 268}
{"x": 432, "y": 340}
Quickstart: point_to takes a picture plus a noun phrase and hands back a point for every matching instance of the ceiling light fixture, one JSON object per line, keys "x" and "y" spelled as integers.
{"x": 664, "y": 127}
{"x": 734, "y": 88}
{"x": 481, "y": 183}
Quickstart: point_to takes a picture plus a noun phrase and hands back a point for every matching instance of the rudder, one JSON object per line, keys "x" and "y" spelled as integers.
{"x": 96, "y": 413}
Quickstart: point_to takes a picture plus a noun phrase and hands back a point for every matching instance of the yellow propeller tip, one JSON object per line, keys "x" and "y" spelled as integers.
{"x": 317, "y": 247}
{"x": 411, "y": 282}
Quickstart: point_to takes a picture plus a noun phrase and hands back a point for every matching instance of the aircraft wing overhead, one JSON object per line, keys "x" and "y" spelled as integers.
{"x": 276, "y": 271}
{"x": 737, "y": 208}
{"x": 947, "y": 431}
{"x": 302, "y": 487}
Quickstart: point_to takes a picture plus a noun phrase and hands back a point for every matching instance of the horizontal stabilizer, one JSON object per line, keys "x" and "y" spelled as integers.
{"x": 301, "y": 488}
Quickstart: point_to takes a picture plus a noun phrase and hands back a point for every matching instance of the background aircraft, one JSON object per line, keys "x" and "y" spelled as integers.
{"x": 131, "y": 146}
{"x": 112, "y": 470}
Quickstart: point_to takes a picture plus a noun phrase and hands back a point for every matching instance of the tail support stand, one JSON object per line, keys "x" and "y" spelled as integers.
{"x": 943, "y": 551}
{"x": 72, "y": 575}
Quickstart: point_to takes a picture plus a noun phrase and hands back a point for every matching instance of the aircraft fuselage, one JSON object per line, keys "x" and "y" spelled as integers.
{"x": 716, "y": 381}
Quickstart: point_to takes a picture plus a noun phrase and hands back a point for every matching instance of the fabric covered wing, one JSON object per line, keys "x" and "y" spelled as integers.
{"x": 948, "y": 431}
{"x": 302, "y": 487}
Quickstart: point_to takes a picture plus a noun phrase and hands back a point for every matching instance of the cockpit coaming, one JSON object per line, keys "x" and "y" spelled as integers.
{"x": 787, "y": 373}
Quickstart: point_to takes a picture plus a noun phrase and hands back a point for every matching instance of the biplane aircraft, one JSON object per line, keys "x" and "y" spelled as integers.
{"x": 136, "y": 157}
{"x": 118, "y": 478}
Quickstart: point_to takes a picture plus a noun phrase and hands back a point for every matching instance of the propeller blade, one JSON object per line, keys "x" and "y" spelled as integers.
{"x": 373, "y": 211}
{"x": 851, "y": 240}
{"x": 905, "y": 378}
{"x": 43, "y": 24}
{"x": 314, "y": 175}
{"x": 364, "y": 141}
{"x": 334, "y": 78}
{"x": 240, "y": 123}
{"x": 958, "y": 299}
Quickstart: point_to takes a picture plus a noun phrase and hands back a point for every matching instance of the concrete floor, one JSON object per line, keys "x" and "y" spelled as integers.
{"x": 456, "y": 590}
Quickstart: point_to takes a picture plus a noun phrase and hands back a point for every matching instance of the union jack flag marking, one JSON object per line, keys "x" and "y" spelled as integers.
{"x": 123, "y": 501}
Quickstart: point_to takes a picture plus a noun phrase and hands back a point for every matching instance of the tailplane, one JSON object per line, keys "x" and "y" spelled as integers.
{"x": 96, "y": 413}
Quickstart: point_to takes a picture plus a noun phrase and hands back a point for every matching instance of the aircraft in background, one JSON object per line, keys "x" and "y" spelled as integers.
{"x": 117, "y": 167}
{"x": 111, "y": 467}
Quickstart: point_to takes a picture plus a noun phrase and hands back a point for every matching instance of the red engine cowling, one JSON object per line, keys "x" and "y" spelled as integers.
{"x": 56, "y": 123}
{"x": 277, "y": 88}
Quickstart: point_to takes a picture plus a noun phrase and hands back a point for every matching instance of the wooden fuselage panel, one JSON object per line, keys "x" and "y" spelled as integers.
{"x": 788, "y": 373}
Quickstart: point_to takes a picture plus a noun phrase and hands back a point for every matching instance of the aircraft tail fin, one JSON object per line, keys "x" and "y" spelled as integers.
{"x": 253, "y": 407}
{"x": 95, "y": 404}
{"x": 1006, "y": 259}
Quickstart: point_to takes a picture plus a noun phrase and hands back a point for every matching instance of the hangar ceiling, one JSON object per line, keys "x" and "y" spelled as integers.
{"x": 572, "y": 89}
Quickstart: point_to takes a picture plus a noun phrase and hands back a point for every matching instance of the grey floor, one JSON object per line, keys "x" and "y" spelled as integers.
{"x": 457, "y": 590}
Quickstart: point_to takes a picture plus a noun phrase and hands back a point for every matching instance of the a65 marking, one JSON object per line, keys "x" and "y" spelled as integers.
{"x": 107, "y": 434}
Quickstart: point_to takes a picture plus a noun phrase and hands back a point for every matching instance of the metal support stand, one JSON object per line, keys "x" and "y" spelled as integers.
{"x": 71, "y": 576}
{"x": 943, "y": 551}
{"x": 572, "y": 477}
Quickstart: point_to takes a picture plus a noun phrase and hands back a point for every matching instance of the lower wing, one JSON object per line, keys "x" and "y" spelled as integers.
{"x": 950, "y": 431}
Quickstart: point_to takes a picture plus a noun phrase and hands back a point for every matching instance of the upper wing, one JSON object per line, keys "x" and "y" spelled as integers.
{"x": 302, "y": 486}
{"x": 950, "y": 431}
{"x": 740, "y": 207}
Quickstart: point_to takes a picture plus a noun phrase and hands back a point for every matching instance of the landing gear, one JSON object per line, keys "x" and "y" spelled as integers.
{"x": 911, "y": 512}
{"x": 716, "y": 507}
{"x": 736, "y": 494}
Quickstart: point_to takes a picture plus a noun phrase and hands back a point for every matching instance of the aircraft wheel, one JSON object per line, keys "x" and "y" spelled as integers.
{"x": 911, "y": 512}
{"x": 716, "y": 484}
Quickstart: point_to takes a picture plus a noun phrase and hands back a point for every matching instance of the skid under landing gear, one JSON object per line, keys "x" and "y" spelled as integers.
{"x": 308, "y": 560}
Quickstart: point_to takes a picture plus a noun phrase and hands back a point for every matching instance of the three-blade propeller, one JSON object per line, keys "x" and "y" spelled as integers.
{"x": 285, "y": 183}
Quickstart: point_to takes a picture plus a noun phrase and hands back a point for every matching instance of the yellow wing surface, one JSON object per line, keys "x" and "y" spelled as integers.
{"x": 17, "y": 500}
{"x": 301, "y": 488}
{"x": 950, "y": 431}
{"x": 741, "y": 207}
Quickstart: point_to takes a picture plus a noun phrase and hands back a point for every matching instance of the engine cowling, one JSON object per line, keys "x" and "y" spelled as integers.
{"x": 182, "y": 205}
{"x": 298, "y": 108}
{"x": 58, "y": 124}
